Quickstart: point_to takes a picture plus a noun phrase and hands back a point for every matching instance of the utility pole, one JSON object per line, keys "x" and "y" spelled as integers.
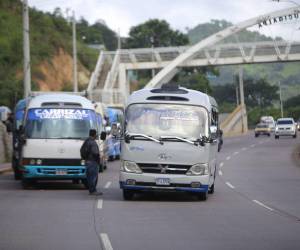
{"x": 26, "y": 50}
{"x": 242, "y": 98}
{"x": 280, "y": 97}
{"x": 75, "y": 80}
{"x": 152, "y": 55}
{"x": 237, "y": 96}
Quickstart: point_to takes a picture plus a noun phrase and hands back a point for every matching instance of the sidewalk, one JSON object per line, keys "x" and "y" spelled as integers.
{"x": 5, "y": 167}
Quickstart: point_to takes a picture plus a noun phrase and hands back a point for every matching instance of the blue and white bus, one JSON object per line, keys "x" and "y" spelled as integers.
{"x": 55, "y": 127}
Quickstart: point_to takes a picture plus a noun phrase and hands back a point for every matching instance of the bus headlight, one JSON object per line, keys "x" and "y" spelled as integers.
{"x": 39, "y": 162}
{"x": 130, "y": 167}
{"x": 82, "y": 162}
{"x": 198, "y": 169}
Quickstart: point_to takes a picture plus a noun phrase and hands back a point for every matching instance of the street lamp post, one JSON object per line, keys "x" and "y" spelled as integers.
{"x": 280, "y": 97}
{"x": 152, "y": 47}
{"x": 75, "y": 80}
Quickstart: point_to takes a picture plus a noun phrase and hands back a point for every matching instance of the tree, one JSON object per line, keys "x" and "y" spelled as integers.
{"x": 155, "y": 32}
{"x": 292, "y": 102}
{"x": 260, "y": 93}
{"x": 196, "y": 79}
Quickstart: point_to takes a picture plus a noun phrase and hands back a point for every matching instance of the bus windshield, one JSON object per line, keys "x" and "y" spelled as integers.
{"x": 167, "y": 120}
{"x": 56, "y": 123}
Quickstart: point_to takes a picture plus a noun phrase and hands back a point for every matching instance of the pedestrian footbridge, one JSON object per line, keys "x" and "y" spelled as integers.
{"x": 109, "y": 82}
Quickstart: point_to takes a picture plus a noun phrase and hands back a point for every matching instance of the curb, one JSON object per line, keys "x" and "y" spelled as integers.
{"x": 5, "y": 170}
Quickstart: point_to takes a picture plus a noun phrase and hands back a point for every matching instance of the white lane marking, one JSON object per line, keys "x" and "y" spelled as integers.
{"x": 252, "y": 146}
{"x": 236, "y": 152}
{"x": 263, "y": 205}
{"x": 221, "y": 164}
{"x": 228, "y": 158}
{"x": 107, "y": 184}
{"x": 230, "y": 185}
{"x": 106, "y": 242}
{"x": 244, "y": 149}
{"x": 100, "y": 204}
{"x": 220, "y": 173}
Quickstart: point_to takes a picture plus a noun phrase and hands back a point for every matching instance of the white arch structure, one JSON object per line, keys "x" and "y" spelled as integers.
{"x": 170, "y": 70}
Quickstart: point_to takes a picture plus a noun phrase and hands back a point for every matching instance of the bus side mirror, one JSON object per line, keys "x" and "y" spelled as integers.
{"x": 213, "y": 131}
{"x": 107, "y": 129}
{"x": 9, "y": 126}
{"x": 103, "y": 135}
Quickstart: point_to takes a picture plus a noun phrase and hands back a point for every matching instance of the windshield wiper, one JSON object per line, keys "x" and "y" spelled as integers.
{"x": 179, "y": 139}
{"x": 133, "y": 135}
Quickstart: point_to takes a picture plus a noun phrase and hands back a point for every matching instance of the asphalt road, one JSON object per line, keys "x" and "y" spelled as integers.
{"x": 256, "y": 205}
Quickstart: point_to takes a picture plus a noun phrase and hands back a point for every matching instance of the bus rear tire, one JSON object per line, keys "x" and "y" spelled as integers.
{"x": 128, "y": 195}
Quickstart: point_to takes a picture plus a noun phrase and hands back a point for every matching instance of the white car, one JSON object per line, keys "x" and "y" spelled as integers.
{"x": 285, "y": 127}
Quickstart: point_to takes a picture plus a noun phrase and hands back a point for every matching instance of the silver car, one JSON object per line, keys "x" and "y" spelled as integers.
{"x": 285, "y": 127}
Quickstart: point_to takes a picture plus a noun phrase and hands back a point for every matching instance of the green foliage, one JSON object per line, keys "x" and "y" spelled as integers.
{"x": 293, "y": 112}
{"x": 227, "y": 107}
{"x": 254, "y": 114}
{"x": 97, "y": 33}
{"x": 194, "y": 80}
{"x": 154, "y": 32}
{"x": 48, "y": 33}
{"x": 292, "y": 102}
{"x": 259, "y": 93}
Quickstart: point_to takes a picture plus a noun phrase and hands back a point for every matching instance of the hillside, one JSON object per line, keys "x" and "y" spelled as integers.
{"x": 51, "y": 50}
{"x": 287, "y": 73}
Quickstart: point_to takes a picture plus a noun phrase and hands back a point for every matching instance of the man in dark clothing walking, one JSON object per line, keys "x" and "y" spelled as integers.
{"x": 92, "y": 162}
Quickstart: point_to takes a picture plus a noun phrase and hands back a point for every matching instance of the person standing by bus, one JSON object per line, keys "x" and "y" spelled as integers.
{"x": 90, "y": 151}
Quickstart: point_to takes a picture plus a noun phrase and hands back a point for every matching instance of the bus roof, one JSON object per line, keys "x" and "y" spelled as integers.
{"x": 61, "y": 101}
{"x": 177, "y": 95}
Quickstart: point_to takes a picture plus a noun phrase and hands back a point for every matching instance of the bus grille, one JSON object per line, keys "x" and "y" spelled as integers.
{"x": 164, "y": 168}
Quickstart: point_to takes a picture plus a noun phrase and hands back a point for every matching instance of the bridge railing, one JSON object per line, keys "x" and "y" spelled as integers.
{"x": 229, "y": 50}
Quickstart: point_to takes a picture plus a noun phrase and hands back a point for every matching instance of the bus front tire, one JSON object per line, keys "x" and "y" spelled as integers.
{"x": 17, "y": 175}
{"x": 75, "y": 181}
{"x": 27, "y": 183}
{"x": 202, "y": 196}
{"x": 85, "y": 183}
{"x": 128, "y": 195}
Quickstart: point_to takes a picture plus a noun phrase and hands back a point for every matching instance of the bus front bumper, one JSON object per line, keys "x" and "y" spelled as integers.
{"x": 54, "y": 172}
{"x": 151, "y": 182}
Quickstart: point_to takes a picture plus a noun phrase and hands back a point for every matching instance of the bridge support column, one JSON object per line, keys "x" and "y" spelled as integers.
{"x": 123, "y": 83}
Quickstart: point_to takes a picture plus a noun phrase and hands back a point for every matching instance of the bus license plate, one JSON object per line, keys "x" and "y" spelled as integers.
{"x": 61, "y": 172}
{"x": 163, "y": 181}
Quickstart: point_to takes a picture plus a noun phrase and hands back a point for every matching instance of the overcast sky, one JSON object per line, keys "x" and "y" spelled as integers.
{"x": 122, "y": 14}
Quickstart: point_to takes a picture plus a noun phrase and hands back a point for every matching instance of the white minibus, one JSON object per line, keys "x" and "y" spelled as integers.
{"x": 55, "y": 127}
{"x": 170, "y": 142}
